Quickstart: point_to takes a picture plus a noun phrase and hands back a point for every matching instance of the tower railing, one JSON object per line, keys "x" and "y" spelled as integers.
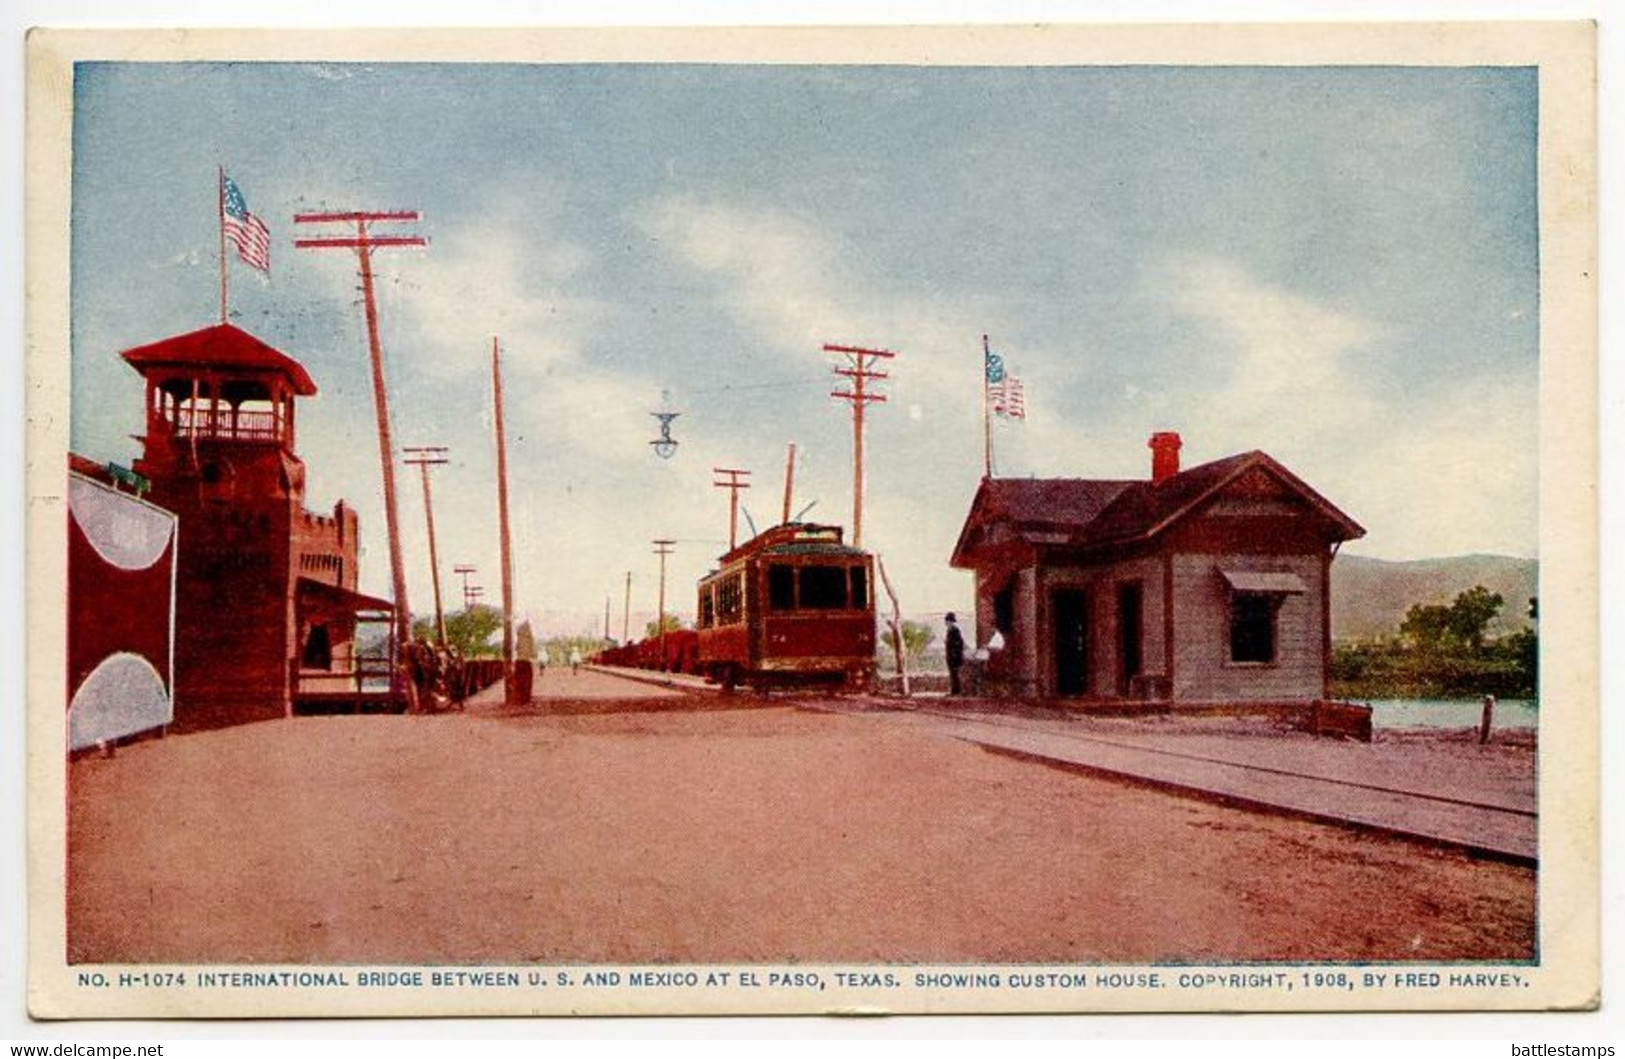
{"x": 244, "y": 426}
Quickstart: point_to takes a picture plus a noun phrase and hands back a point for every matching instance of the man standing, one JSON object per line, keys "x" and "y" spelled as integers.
{"x": 955, "y": 643}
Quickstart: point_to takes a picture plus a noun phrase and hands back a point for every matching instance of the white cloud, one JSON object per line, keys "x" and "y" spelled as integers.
{"x": 1427, "y": 474}
{"x": 795, "y": 285}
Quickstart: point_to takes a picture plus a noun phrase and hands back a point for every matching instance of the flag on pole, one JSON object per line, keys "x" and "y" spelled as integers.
{"x": 250, "y": 235}
{"x": 995, "y": 366}
{"x": 1009, "y": 399}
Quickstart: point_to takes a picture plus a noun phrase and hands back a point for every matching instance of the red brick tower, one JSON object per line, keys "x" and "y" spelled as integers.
{"x": 265, "y": 589}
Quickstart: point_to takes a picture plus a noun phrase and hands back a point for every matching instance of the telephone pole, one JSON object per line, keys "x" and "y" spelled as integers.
{"x": 509, "y": 682}
{"x": 733, "y": 484}
{"x": 363, "y": 242}
{"x": 626, "y": 612}
{"x": 464, "y": 571}
{"x": 860, "y": 368}
{"x": 424, "y": 457}
{"x": 662, "y": 548}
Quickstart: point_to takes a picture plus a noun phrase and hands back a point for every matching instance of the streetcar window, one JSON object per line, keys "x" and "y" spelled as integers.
{"x": 860, "y": 587}
{"x": 781, "y": 587}
{"x": 730, "y": 601}
{"x": 708, "y": 608}
{"x": 823, "y": 587}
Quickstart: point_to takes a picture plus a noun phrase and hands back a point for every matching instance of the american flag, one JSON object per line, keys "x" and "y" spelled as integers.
{"x": 248, "y": 232}
{"x": 995, "y": 366}
{"x": 1008, "y": 398}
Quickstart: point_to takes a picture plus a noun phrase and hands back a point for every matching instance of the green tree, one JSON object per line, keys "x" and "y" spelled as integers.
{"x": 557, "y": 649}
{"x": 1472, "y": 611}
{"x": 1427, "y": 627}
{"x": 917, "y": 636}
{"x": 1458, "y": 627}
{"x": 673, "y": 624}
{"x": 469, "y": 631}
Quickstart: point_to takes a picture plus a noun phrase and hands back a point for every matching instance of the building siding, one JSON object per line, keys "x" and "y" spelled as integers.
{"x": 1203, "y": 670}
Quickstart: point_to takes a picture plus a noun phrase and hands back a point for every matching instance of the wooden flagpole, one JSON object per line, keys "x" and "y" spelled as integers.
{"x": 220, "y": 218}
{"x": 987, "y": 416}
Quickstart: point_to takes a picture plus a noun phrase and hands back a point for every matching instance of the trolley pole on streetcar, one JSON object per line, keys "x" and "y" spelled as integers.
{"x": 363, "y": 242}
{"x": 859, "y": 369}
{"x": 662, "y": 548}
{"x": 733, "y": 483}
{"x": 424, "y": 457}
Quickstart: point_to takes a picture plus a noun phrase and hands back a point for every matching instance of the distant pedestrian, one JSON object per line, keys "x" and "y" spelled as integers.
{"x": 955, "y": 643}
{"x": 575, "y": 660}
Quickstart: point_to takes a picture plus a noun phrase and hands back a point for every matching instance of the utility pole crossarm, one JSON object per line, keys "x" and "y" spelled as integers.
{"x": 830, "y": 347}
{"x": 352, "y": 216}
{"x": 382, "y": 240}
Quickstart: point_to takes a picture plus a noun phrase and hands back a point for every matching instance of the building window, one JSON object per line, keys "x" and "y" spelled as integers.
{"x": 1252, "y": 627}
{"x": 860, "y": 587}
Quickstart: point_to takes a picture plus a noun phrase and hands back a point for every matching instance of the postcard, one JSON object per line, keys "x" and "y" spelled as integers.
{"x": 942, "y": 519}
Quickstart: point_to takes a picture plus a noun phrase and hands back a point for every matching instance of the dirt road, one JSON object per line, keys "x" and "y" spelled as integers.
{"x": 630, "y": 829}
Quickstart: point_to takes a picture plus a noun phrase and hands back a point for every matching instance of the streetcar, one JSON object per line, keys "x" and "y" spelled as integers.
{"x": 791, "y": 607}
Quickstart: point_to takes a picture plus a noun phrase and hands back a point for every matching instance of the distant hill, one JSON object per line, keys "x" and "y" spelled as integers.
{"x": 1370, "y": 596}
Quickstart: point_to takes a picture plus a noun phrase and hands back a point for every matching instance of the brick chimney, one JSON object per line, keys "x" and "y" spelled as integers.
{"x": 1164, "y": 455}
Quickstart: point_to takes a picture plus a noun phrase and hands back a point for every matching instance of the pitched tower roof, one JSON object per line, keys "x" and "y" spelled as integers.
{"x": 221, "y": 345}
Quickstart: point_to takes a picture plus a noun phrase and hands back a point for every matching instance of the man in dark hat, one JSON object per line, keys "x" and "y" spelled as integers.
{"x": 955, "y": 642}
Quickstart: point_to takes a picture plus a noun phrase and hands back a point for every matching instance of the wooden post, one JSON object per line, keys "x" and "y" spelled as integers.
{"x": 510, "y": 683}
{"x": 425, "y": 456}
{"x": 1486, "y": 720}
{"x": 662, "y": 549}
{"x": 896, "y": 625}
{"x": 789, "y": 481}
{"x": 860, "y": 370}
{"x": 626, "y": 612}
{"x": 733, "y": 484}
{"x": 363, "y": 243}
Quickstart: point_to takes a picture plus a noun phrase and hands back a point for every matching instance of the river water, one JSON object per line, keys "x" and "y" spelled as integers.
{"x": 1449, "y": 713}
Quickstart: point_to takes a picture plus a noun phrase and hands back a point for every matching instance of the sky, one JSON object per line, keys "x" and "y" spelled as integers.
{"x": 1337, "y": 266}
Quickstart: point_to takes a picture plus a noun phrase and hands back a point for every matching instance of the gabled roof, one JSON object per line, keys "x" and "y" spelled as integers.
{"x": 1095, "y": 513}
{"x": 225, "y": 346}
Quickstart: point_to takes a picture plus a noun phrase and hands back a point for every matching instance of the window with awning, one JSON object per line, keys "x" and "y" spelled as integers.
{"x": 1263, "y": 582}
{"x": 1255, "y": 603}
